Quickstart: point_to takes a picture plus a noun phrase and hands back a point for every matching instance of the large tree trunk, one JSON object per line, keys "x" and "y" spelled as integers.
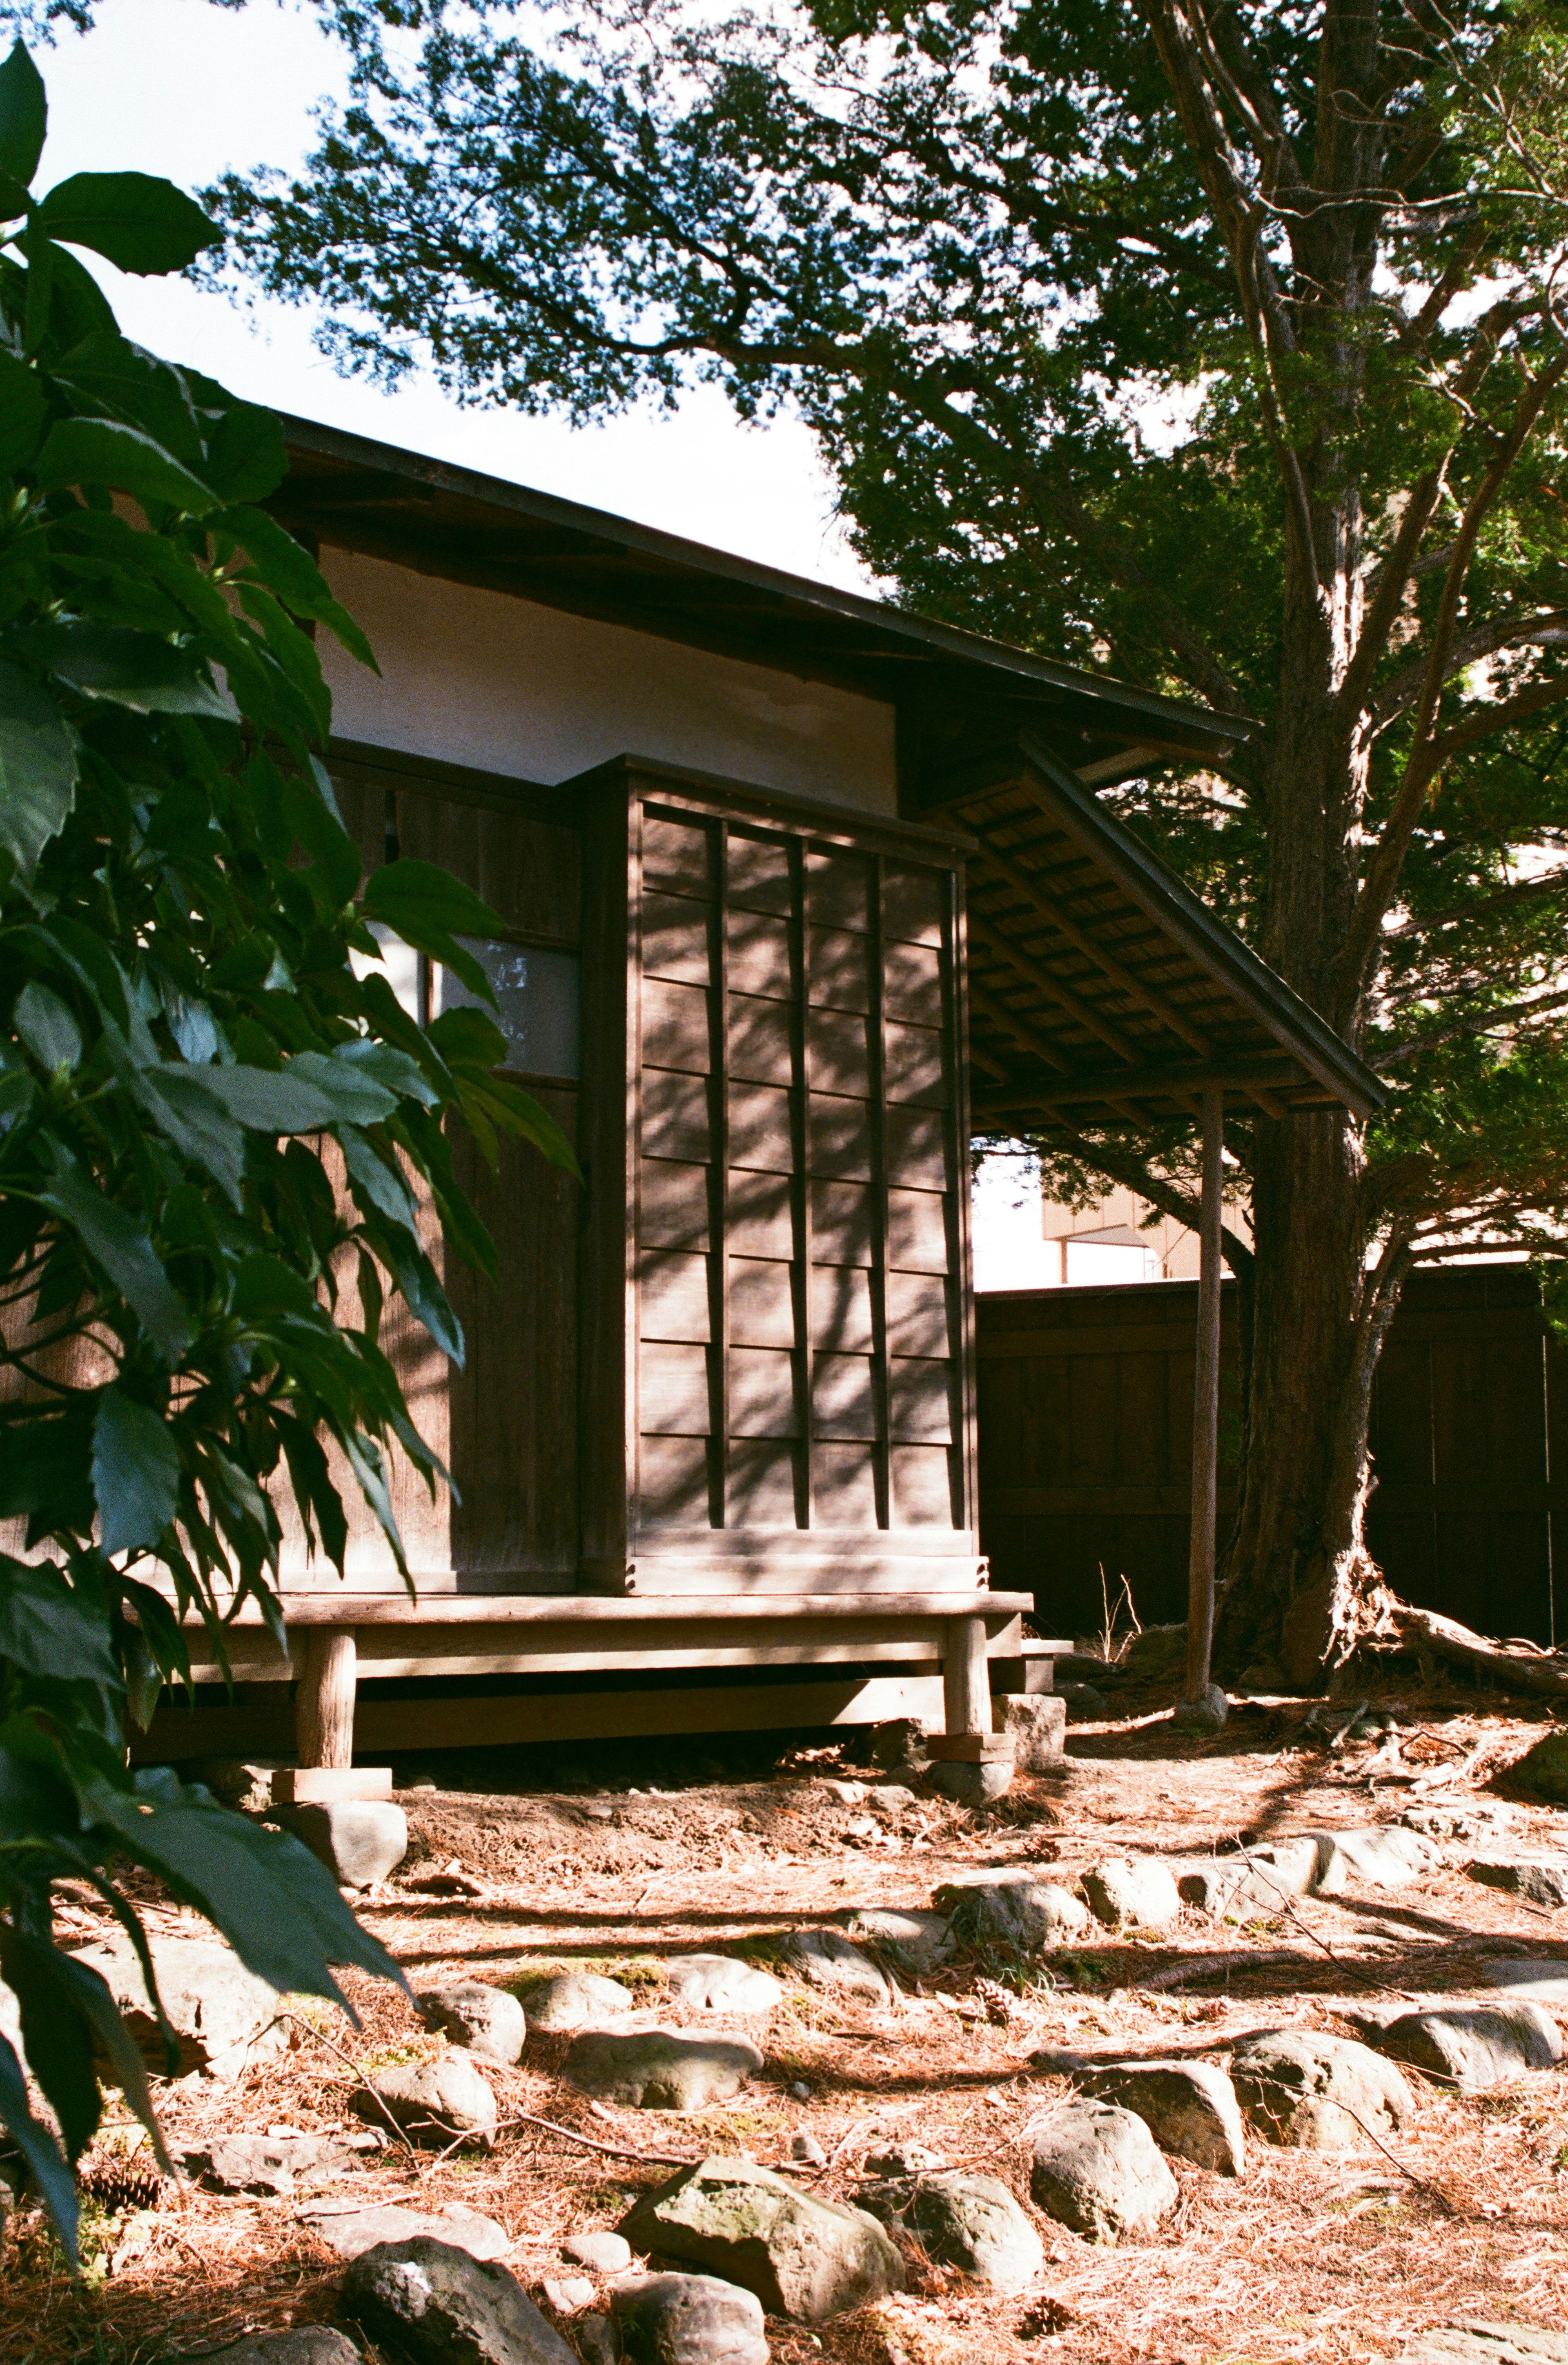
{"x": 1296, "y": 1567}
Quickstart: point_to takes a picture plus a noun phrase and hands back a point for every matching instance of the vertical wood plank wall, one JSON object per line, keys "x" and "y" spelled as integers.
{"x": 1085, "y": 1443}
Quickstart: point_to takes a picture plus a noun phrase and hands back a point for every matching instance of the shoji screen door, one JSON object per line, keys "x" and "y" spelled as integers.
{"x": 794, "y": 1360}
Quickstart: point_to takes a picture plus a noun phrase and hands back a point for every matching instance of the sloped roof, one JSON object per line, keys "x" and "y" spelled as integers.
{"x": 1101, "y": 987}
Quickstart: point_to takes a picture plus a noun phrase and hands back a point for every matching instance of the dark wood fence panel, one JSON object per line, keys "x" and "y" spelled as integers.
{"x": 1085, "y": 1445}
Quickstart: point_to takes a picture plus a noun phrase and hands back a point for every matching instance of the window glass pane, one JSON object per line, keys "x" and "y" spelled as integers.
{"x": 536, "y": 992}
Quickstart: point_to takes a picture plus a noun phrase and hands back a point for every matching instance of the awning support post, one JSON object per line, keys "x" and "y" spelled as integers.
{"x": 324, "y": 1704}
{"x": 1205, "y": 1404}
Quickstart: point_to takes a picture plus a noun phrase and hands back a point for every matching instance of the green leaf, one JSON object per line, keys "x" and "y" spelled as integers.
{"x": 22, "y": 409}
{"x": 428, "y": 897}
{"x": 380, "y": 1182}
{"x": 133, "y": 220}
{"x": 122, "y": 381}
{"x": 129, "y": 668}
{"x": 270, "y": 1100}
{"x": 38, "y": 767}
{"x": 103, "y": 452}
{"x": 276, "y": 1904}
{"x": 46, "y": 1626}
{"x": 135, "y": 1473}
{"x": 246, "y": 455}
{"x": 196, "y": 1121}
{"x": 117, "y": 1242}
{"x": 24, "y": 117}
{"x": 289, "y": 570}
{"x": 58, "y": 2045}
{"x": 47, "y": 1028}
{"x": 94, "y": 1999}
{"x": 38, "y": 2150}
{"x": 353, "y": 1095}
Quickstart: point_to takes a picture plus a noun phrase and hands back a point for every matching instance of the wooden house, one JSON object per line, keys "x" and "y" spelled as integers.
{"x": 794, "y": 890}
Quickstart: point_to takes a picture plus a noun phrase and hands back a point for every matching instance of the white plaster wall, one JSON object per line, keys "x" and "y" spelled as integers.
{"x": 474, "y": 677}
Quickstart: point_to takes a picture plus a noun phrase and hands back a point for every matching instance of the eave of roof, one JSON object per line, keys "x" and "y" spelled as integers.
{"x": 356, "y": 493}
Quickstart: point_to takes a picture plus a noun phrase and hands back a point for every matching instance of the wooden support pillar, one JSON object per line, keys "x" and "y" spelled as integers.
{"x": 1205, "y": 1404}
{"x": 966, "y": 1678}
{"x": 323, "y": 1714}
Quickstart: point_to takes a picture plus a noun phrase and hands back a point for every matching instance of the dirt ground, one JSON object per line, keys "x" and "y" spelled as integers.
{"x": 635, "y": 1854}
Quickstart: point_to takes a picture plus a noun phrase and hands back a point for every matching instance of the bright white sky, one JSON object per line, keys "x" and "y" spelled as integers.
{"x": 185, "y": 89}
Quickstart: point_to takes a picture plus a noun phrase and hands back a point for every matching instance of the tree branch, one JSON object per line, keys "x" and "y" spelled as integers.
{"x": 1481, "y": 1024}
{"x": 1544, "y": 631}
{"x": 1527, "y": 891}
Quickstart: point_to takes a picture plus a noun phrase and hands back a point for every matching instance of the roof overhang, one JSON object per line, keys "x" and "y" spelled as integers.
{"x": 354, "y": 494}
{"x": 1101, "y": 988}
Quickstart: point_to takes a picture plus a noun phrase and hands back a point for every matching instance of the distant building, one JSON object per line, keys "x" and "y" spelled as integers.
{"x": 1024, "y": 1240}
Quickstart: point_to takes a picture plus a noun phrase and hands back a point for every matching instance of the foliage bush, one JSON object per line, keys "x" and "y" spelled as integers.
{"x": 197, "y": 1036}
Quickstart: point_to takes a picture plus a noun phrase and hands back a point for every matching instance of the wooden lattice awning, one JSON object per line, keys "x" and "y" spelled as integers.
{"x": 1100, "y": 987}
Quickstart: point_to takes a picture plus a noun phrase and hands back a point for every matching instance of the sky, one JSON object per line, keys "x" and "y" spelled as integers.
{"x": 185, "y": 89}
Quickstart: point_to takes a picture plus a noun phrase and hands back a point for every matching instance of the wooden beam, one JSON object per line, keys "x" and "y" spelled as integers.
{"x": 1026, "y": 883}
{"x": 1171, "y": 1083}
{"x": 1026, "y": 1036}
{"x": 1002, "y": 947}
{"x": 1205, "y": 1404}
{"x": 324, "y": 1704}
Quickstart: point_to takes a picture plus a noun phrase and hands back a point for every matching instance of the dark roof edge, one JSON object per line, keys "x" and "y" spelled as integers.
{"x": 1166, "y": 899}
{"x": 1121, "y": 699}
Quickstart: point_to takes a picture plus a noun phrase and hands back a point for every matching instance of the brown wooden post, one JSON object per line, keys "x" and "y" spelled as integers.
{"x": 966, "y": 1678}
{"x": 323, "y": 1714}
{"x": 1205, "y": 1404}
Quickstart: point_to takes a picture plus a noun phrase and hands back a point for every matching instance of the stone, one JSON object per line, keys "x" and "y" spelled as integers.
{"x": 432, "y": 2101}
{"x": 972, "y": 2223}
{"x": 431, "y": 2303}
{"x": 576, "y": 1999}
{"x": 1098, "y": 2169}
{"x": 1132, "y": 1893}
{"x": 1307, "y": 2091}
{"x": 1037, "y": 1722}
{"x": 826, "y": 1959}
{"x": 606, "y": 2252}
{"x": 1157, "y": 1656}
{"x": 804, "y": 2256}
{"x": 224, "y": 2018}
{"x": 352, "y": 2232}
{"x": 661, "y": 2069}
{"x": 566, "y": 2294}
{"x": 724, "y": 1983}
{"x": 1542, "y": 1772}
{"x": 1540, "y": 1981}
{"x": 1206, "y": 1714}
{"x": 300, "y": 2344}
{"x": 972, "y": 1786}
{"x": 1020, "y": 1912}
{"x": 1467, "y": 1821}
{"x": 487, "y": 2021}
{"x": 1258, "y": 1885}
{"x": 1189, "y": 2107}
{"x": 1479, "y": 2343}
{"x": 597, "y": 2343}
{"x": 360, "y": 1841}
{"x": 901, "y": 2160}
{"x": 1084, "y": 1703}
{"x": 243, "y": 2163}
{"x": 804, "y": 2148}
{"x": 687, "y": 2320}
{"x": 915, "y": 1941}
{"x": 1474, "y": 2047}
{"x": 1539, "y": 1880}
{"x": 1387, "y": 1856}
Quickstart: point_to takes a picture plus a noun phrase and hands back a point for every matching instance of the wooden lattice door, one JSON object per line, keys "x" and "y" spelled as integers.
{"x": 785, "y": 1070}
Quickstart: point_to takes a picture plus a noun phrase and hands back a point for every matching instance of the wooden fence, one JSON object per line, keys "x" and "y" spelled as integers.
{"x": 1085, "y": 1447}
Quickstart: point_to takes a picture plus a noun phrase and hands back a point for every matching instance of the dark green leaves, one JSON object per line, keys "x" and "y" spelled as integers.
{"x": 134, "y": 221}
{"x": 427, "y": 908}
{"x": 105, "y": 452}
{"x": 48, "y": 1628}
{"x": 134, "y": 669}
{"x": 24, "y": 117}
{"x": 38, "y": 767}
{"x": 135, "y": 1473}
{"x": 119, "y": 1243}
